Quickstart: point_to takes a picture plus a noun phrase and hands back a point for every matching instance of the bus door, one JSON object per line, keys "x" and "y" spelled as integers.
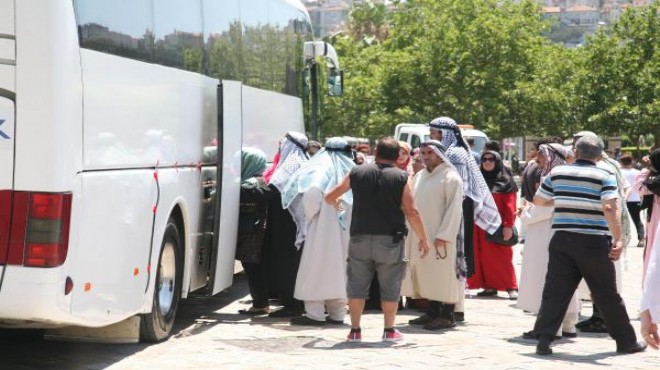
{"x": 6, "y": 178}
{"x": 228, "y": 185}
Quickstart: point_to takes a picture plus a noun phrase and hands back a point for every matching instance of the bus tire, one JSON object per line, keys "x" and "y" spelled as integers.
{"x": 157, "y": 325}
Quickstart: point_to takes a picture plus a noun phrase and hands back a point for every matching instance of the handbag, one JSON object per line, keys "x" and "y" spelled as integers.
{"x": 498, "y": 238}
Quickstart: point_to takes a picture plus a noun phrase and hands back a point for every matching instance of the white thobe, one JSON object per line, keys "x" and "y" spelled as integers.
{"x": 439, "y": 199}
{"x": 321, "y": 279}
{"x": 535, "y": 257}
{"x": 651, "y": 293}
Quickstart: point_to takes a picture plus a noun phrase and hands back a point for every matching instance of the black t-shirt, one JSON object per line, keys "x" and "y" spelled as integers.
{"x": 377, "y": 192}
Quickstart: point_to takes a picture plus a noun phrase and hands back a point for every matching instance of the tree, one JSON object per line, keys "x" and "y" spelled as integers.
{"x": 461, "y": 58}
{"x": 621, "y": 94}
{"x": 368, "y": 22}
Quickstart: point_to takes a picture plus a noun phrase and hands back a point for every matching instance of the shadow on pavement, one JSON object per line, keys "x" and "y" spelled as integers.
{"x": 592, "y": 359}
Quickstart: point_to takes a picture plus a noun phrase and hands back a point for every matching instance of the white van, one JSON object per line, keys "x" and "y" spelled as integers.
{"x": 415, "y": 133}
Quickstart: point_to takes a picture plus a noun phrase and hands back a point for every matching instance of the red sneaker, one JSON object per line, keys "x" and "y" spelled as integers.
{"x": 392, "y": 336}
{"x": 354, "y": 337}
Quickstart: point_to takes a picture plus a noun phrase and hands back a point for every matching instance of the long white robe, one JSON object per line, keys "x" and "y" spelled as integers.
{"x": 651, "y": 293}
{"x": 439, "y": 198}
{"x": 535, "y": 258}
{"x": 322, "y": 271}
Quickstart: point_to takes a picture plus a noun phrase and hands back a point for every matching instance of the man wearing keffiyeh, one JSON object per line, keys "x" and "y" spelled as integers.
{"x": 283, "y": 240}
{"x": 438, "y": 193}
{"x": 321, "y": 281}
{"x": 478, "y": 206}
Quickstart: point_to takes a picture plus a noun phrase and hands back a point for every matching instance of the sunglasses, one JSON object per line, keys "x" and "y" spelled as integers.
{"x": 488, "y": 159}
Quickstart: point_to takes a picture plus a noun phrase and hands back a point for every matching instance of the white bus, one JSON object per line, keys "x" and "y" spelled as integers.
{"x": 121, "y": 125}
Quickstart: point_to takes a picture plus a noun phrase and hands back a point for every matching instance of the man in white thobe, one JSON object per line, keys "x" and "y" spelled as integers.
{"x": 321, "y": 279}
{"x": 438, "y": 193}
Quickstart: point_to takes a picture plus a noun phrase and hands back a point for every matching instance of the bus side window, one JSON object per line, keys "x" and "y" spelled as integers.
{"x": 118, "y": 27}
{"x": 222, "y": 35}
{"x": 178, "y": 34}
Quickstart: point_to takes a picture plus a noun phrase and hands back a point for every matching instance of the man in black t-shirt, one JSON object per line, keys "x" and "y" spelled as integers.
{"x": 382, "y": 201}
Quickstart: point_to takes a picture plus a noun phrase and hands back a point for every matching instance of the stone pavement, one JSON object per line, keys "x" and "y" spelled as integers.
{"x": 213, "y": 335}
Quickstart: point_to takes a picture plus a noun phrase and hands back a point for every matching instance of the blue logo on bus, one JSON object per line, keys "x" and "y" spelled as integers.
{"x": 2, "y": 134}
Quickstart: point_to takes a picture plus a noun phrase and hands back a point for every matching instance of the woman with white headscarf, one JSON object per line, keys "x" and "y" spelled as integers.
{"x": 283, "y": 240}
{"x": 535, "y": 254}
{"x": 321, "y": 280}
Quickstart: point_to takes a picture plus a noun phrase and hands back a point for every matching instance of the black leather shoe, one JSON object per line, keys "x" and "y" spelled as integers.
{"x": 637, "y": 347}
{"x": 330, "y": 321}
{"x": 422, "y": 320}
{"x": 596, "y": 326}
{"x": 304, "y": 320}
{"x": 285, "y": 312}
{"x": 459, "y": 316}
{"x": 543, "y": 348}
{"x": 487, "y": 293}
{"x": 440, "y": 323}
{"x": 567, "y": 334}
{"x": 532, "y": 335}
{"x": 586, "y": 322}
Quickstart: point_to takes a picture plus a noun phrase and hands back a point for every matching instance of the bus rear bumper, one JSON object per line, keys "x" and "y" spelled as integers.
{"x": 34, "y": 298}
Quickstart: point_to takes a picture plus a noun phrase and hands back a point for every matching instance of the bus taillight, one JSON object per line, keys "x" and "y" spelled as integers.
{"x": 40, "y": 229}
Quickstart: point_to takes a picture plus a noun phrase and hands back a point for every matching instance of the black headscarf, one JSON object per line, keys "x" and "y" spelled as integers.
{"x": 655, "y": 160}
{"x": 652, "y": 182}
{"x": 500, "y": 179}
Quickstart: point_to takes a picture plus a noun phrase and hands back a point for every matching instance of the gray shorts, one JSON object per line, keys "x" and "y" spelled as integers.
{"x": 375, "y": 253}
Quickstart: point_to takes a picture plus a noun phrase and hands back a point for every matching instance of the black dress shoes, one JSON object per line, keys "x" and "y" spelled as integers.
{"x": 532, "y": 335}
{"x": 422, "y": 320}
{"x": 304, "y": 320}
{"x": 330, "y": 321}
{"x": 595, "y": 326}
{"x": 543, "y": 348}
{"x": 285, "y": 312}
{"x": 637, "y": 347}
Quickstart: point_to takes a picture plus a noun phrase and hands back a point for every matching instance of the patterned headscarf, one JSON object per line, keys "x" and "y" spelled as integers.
{"x": 555, "y": 155}
{"x": 325, "y": 170}
{"x": 293, "y": 153}
{"x": 486, "y": 215}
{"x": 253, "y": 163}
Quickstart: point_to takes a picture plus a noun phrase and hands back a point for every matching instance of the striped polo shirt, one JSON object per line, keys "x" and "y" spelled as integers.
{"x": 579, "y": 191}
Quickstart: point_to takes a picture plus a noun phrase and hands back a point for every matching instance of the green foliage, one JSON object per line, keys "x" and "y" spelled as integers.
{"x": 488, "y": 63}
{"x": 621, "y": 94}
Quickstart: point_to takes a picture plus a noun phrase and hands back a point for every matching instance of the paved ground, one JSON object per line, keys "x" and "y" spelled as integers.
{"x": 211, "y": 335}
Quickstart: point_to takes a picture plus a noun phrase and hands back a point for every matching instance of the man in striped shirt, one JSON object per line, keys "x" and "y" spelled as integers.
{"x": 587, "y": 238}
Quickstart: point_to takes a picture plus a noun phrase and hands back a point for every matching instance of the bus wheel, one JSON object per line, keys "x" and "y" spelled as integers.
{"x": 157, "y": 325}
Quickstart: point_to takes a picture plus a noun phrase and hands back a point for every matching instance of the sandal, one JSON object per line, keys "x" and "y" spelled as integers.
{"x": 254, "y": 311}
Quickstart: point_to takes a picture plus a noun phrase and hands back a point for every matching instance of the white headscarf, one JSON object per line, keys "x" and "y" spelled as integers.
{"x": 325, "y": 170}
